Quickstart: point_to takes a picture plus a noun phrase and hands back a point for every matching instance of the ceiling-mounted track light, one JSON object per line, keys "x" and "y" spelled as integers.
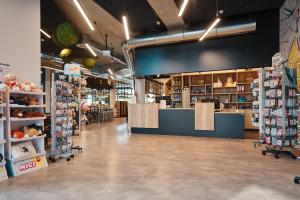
{"x": 126, "y": 28}
{"x": 209, "y": 29}
{"x": 182, "y": 8}
{"x": 45, "y": 33}
{"x": 83, "y": 14}
{"x": 90, "y": 49}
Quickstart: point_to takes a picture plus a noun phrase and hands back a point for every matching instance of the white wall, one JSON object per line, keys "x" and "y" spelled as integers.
{"x": 20, "y": 38}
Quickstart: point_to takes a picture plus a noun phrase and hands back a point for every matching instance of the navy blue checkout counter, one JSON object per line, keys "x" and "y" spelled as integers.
{"x": 181, "y": 121}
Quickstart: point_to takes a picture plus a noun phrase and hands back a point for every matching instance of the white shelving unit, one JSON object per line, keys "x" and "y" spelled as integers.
{"x": 3, "y": 173}
{"x": 28, "y": 163}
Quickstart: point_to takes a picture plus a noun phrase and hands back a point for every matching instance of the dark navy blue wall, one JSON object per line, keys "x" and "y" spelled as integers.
{"x": 243, "y": 51}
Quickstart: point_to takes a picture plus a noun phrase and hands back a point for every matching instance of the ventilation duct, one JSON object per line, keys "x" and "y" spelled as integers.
{"x": 129, "y": 45}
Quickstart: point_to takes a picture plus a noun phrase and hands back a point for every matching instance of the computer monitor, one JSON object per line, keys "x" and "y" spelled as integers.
{"x": 216, "y": 101}
{"x": 167, "y": 98}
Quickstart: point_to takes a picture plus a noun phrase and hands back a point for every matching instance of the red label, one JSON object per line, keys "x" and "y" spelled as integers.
{"x": 26, "y": 166}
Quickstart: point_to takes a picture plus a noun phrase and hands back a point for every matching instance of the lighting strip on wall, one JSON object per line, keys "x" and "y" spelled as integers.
{"x": 126, "y": 28}
{"x": 209, "y": 29}
{"x": 45, "y": 33}
{"x": 83, "y": 14}
{"x": 90, "y": 49}
{"x": 183, "y": 6}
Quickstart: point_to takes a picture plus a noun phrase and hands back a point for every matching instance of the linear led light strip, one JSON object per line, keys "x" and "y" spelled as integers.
{"x": 182, "y": 8}
{"x": 90, "y": 49}
{"x": 209, "y": 29}
{"x": 44, "y": 32}
{"x": 126, "y": 28}
{"x": 109, "y": 70}
{"x": 83, "y": 14}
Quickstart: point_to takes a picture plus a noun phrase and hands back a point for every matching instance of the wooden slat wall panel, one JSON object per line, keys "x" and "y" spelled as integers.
{"x": 143, "y": 115}
{"x": 205, "y": 116}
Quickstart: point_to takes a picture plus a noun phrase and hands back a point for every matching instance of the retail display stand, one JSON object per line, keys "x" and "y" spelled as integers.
{"x": 28, "y": 153}
{"x": 279, "y": 113}
{"x": 3, "y": 173}
{"x": 63, "y": 113}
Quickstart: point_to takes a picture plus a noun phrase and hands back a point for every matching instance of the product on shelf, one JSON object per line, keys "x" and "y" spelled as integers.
{"x": 16, "y": 85}
{"x": 17, "y": 134}
{"x": 255, "y": 104}
{"x": 23, "y": 149}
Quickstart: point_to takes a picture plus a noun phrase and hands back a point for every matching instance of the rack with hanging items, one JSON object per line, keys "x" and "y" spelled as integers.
{"x": 279, "y": 113}
{"x": 63, "y": 112}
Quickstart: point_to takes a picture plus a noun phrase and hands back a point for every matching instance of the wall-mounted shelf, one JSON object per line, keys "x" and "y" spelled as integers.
{"x": 27, "y": 138}
{"x": 30, "y": 106}
{"x": 15, "y": 119}
{"x": 25, "y": 92}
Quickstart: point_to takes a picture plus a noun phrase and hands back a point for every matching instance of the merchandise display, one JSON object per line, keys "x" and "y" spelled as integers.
{"x": 25, "y": 148}
{"x": 279, "y": 113}
{"x": 64, "y": 111}
{"x": 255, "y": 105}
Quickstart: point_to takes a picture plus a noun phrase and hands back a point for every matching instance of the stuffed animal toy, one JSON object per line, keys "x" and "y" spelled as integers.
{"x": 17, "y": 134}
{"x": 11, "y": 81}
{"x": 17, "y": 113}
{"x": 31, "y": 132}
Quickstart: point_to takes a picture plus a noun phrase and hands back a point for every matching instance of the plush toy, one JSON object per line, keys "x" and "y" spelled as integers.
{"x": 17, "y": 134}
{"x": 17, "y": 113}
{"x": 11, "y": 81}
{"x": 31, "y": 132}
{"x": 35, "y": 88}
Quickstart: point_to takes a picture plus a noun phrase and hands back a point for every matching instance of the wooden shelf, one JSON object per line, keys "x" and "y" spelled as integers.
{"x": 25, "y": 92}
{"x": 15, "y": 119}
{"x": 30, "y": 106}
{"x": 206, "y": 94}
{"x": 28, "y": 157}
{"x": 27, "y": 138}
{"x": 224, "y": 87}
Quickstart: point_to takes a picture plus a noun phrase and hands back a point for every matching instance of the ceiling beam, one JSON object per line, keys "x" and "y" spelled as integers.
{"x": 168, "y": 13}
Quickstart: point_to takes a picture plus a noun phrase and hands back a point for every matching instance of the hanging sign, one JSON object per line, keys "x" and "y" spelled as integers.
{"x": 72, "y": 69}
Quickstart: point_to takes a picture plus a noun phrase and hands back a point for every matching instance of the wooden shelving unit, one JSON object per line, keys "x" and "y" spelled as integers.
{"x": 235, "y": 95}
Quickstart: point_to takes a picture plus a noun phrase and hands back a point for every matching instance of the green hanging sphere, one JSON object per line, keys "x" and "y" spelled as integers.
{"x": 89, "y": 63}
{"x": 66, "y": 34}
{"x": 66, "y": 55}
{"x": 56, "y": 42}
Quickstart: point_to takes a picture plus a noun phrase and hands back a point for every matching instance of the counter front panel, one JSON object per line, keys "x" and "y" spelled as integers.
{"x": 182, "y": 122}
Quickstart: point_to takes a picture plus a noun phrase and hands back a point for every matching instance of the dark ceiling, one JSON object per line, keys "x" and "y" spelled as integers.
{"x": 141, "y": 17}
{"x": 51, "y": 17}
{"x": 202, "y": 10}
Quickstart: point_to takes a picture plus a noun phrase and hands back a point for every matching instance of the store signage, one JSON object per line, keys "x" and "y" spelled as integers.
{"x": 72, "y": 69}
{"x": 29, "y": 165}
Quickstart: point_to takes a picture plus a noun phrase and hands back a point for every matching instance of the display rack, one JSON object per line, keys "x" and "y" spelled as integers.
{"x": 63, "y": 112}
{"x": 279, "y": 114}
{"x": 33, "y": 154}
{"x": 3, "y": 173}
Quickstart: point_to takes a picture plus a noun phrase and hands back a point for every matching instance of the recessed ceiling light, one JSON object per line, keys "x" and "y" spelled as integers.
{"x": 44, "y": 32}
{"x": 183, "y": 6}
{"x": 83, "y": 14}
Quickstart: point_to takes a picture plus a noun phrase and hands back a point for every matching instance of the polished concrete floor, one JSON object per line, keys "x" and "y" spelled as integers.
{"x": 117, "y": 165}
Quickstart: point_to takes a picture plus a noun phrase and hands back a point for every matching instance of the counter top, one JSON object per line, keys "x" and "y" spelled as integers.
{"x": 224, "y": 112}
